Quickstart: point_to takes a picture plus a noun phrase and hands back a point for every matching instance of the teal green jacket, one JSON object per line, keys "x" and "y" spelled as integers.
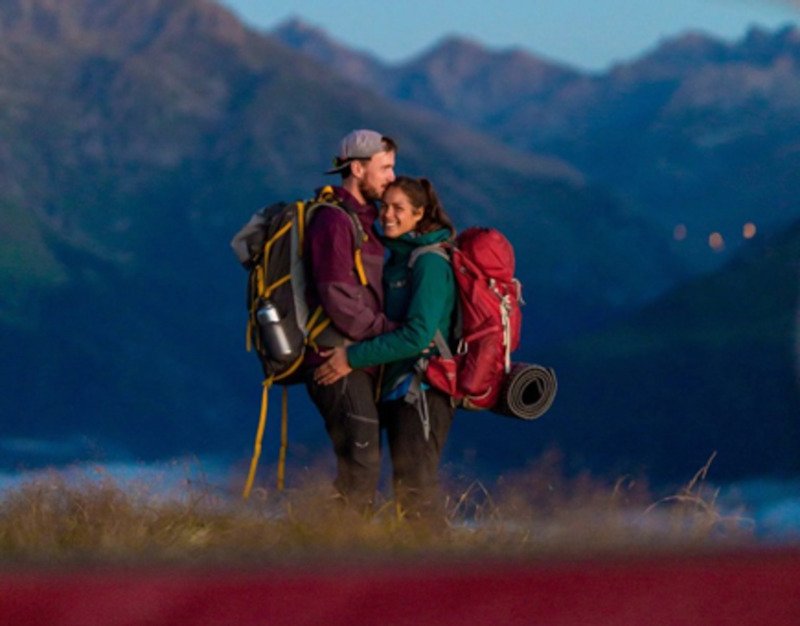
{"x": 421, "y": 298}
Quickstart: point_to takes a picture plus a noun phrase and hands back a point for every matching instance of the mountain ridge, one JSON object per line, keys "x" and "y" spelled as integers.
{"x": 131, "y": 161}
{"x": 666, "y": 131}
{"x": 135, "y": 160}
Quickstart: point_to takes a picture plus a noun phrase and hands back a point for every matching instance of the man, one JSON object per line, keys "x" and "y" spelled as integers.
{"x": 365, "y": 162}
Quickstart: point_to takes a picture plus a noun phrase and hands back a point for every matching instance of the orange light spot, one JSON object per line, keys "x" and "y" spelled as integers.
{"x": 716, "y": 242}
{"x": 679, "y": 232}
{"x": 749, "y": 230}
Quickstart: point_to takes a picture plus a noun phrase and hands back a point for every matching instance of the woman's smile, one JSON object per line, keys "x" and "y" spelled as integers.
{"x": 398, "y": 215}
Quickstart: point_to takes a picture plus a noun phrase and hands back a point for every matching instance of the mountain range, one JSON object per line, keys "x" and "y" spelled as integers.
{"x": 698, "y": 132}
{"x": 135, "y": 139}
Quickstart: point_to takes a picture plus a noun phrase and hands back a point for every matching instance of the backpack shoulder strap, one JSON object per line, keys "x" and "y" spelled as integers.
{"x": 326, "y": 198}
{"x": 358, "y": 228}
{"x": 441, "y": 345}
{"x": 439, "y": 249}
{"x": 444, "y": 250}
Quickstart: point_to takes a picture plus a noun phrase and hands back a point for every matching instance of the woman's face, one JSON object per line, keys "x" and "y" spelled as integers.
{"x": 398, "y": 215}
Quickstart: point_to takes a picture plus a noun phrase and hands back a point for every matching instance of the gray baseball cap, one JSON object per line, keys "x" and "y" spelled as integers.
{"x": 358, "y": 144}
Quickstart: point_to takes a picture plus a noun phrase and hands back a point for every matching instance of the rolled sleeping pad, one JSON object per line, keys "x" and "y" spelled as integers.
{"x": 528, "y": 391}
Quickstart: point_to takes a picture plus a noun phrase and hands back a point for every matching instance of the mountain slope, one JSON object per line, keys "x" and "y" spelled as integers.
{"x": 713, "y": 366}
{"x": 357, "y": 67}
{"x": 140, "y": 136}
{"x": 178, "y": 120}
{"x": 703, "y": 134}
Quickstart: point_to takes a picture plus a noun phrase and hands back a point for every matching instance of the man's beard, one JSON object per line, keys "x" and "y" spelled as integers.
{"x": 369, "y": 192}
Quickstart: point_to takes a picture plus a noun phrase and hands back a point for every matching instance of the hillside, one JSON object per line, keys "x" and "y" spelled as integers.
{"x": 714, "y": 365}
{"x": 137, "y": 139}
{"x": 179, "y": 120}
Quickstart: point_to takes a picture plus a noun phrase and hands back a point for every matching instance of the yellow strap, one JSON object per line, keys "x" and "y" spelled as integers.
{"x": 313, "y": 332}
{"x": 362, "y": 275}
{"x": 292, "y": 369}
{"x": 248, "y": 337}
{"x": 270, "y": 288}
{"x": 312, "y": 336}
{"x": 284, "y": 438}
{"x": 314, "y": 316}
{"x": 310, "y": 341}
{"x": 260, "y": 273}
{"x": 262, "y": 422}
{"x": 301, "y": 227}
{"x": 268, "y": 245}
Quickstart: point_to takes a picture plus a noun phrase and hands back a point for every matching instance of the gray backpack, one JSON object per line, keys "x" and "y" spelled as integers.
{"x": 279, "y": 324}
{"x": 270, "y": 246}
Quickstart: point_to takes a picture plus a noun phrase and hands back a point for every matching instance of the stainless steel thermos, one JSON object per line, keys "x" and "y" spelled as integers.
{"x": 272, "y": 332}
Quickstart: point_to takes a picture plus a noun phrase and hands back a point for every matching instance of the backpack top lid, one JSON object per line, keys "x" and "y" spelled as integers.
{"x": 490, "y": 250}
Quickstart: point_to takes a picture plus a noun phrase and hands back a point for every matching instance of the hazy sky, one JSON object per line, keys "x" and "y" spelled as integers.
{"x": 590, "y": 34}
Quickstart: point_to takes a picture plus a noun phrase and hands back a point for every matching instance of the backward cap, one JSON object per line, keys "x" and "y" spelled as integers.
{"x": 358, "y": 144}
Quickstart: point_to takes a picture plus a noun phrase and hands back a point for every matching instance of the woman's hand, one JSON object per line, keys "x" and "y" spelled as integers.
{"x": 334, "y": 368}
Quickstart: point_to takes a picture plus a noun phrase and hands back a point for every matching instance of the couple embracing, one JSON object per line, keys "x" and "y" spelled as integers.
{"x": 388, "y": 306}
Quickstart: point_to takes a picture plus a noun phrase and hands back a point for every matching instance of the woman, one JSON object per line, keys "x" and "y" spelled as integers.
{"x": 421, "y": 296}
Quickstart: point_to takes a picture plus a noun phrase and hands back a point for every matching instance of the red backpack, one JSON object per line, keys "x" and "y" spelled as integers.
{"x": 490, "y": 320}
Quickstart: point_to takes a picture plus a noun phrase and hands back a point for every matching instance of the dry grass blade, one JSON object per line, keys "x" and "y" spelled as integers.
{"x": 695, "y": 509}
{"x": 536, "y": 514}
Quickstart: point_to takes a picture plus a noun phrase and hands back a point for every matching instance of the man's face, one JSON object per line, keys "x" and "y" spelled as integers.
{"x": 375, "y": 175}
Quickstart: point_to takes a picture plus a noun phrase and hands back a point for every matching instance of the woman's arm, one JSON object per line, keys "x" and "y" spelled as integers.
{"x": 432, "y": 289}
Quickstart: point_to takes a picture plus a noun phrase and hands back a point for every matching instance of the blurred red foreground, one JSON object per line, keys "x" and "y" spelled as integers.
{"x": 748, "y": 588}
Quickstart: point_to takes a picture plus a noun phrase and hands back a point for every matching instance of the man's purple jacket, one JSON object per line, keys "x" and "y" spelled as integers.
{"x": 355, "y": 310}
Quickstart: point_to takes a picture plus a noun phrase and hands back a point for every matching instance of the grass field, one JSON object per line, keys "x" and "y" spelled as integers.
{"x": 95, "y": 518}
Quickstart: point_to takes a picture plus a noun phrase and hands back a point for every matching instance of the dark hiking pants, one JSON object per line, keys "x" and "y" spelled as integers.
{"x": 415, "y": 459}
{"x": 351, "y": 419}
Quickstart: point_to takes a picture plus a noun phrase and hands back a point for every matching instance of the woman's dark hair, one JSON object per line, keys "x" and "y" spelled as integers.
{"x": 421, "y": 193}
